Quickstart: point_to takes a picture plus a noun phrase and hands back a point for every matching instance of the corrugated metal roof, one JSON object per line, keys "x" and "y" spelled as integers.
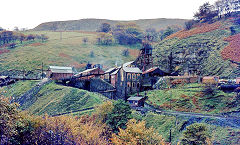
{"x": 131, "y": 69}
{"x": 61, "y": 69}
{"x": 134, "y": 98}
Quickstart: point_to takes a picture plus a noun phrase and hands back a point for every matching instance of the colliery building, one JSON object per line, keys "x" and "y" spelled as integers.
{"x": 60, "y": 72}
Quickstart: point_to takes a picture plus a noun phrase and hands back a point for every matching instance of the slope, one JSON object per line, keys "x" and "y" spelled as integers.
{"x": 94, "y": 24}
{"x": 207, "y": 49}
{"x": 64, "y": 48}
{"x": 53, "y": 99}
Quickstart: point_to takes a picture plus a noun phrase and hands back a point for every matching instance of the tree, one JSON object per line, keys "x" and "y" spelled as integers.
{"x": 189, "y": 24}
{"x": 21, "y": 37}
{"x": 105, "y": 27}
{"x": 206, "y": 12}
{"x": 31, "y": 37}
{"x": 105, "y": 39}
{"x": 8, "y": 120}
{"x": 196, "y": 134}
{"x": 167, "y": 33}
{"x": 127, "y": 33}
{"x": 137, "y": 133}
{"x": 119, "y": 116}
{"x": 85, "y": 40}
{"x": 152, "y": 34}
{"x": 125, "y": 52}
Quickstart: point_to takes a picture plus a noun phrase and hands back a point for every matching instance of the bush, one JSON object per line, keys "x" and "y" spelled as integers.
{"x": 125, "y": 52}
{"x": 105, "y": 39}
{"x": 189, "y": 24}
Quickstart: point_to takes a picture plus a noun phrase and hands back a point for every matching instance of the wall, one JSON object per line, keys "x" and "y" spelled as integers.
{"x": 95, "y": 85}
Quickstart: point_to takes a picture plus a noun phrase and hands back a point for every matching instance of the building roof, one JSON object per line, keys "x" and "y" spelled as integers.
{"x": 116, "y": 71}
{"x": 134, "y": 98}
{"x": 88, "y": 71}
{"x": 131, "y": 69}
{"x": 110, "y": 70}
{"x": 150, "y": 70}
{"x": 61, "y": 69}
{"x": 3, "y": 77}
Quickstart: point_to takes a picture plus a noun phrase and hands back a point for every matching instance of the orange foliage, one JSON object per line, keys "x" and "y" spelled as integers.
{"x": 136, "y": 133}
{"x": 203, "y": 28}
{"x": 232, "y": 51}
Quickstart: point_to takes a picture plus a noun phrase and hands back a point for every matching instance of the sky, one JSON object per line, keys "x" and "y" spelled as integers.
{"x": 30, "y": 13}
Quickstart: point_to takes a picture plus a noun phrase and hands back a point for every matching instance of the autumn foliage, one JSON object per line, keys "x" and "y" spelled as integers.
{"x": 201, "y": 28}
{"x": 136, "y": 133}
{"x": 232, "y": 50}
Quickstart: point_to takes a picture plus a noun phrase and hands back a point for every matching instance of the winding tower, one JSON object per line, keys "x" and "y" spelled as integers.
{"x": 144, "y": 60}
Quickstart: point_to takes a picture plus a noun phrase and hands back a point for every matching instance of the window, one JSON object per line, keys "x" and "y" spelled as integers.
{"x": 138, "y": 85}
{"x": 133, "y": 85}
{"x": 133, "y": 76}
{"x": 129, "y": 76}
{"x": 128, "y": 85}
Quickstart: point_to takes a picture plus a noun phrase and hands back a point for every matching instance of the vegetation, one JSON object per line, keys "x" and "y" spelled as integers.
{"x": 94, "y": 24}
{"x": 119, "y": 115}
{"x": 201, "y": 49}
{"x": 196, "y": 134}
{"x": 137, "y": 133}
{"x": 70, "y": 50}
{"x": 193, "y": 98}
{"x": 53, "y": 99}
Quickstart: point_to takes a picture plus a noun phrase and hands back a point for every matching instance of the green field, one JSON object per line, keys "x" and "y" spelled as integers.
{"x": 54, "y": 99}
{"x": 191, "y": 98}
{"x": 68, "y": 51}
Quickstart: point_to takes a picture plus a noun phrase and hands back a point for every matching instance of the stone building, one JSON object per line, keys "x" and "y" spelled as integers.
{"x": 127, "y": 80}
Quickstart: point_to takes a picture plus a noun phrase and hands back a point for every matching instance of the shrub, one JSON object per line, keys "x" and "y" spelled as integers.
{"x": 125, "y": 52}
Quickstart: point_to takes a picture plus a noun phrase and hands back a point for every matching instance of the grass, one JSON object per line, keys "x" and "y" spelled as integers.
{"x": 68, "y": 51}
{"x": 190, "y": 98}
{"x": 163, "y": 123}
{"x": 19, "y": 88}
{"x": 54, "y": 99}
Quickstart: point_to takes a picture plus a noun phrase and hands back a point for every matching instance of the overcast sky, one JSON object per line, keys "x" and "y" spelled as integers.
{"x": 30, "y": 13}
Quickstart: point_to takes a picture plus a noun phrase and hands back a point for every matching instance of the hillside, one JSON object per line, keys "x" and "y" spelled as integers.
{"x": 94, "y": 24}
{"x": 53, "y": 99}
{"x": 68, "y": 51}
{"x": 207, "y": 48}
{"x": 194, "y": 98}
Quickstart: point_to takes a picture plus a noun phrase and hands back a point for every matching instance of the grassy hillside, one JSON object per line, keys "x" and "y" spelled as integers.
{"x": 54, "y": 99}
{"x": 162, "y": 123}
{"x": 215, "y": 48}
{"x": 69, "y": 51}
{"x": 193, "y": 98}
{"x": 94, "y": 24}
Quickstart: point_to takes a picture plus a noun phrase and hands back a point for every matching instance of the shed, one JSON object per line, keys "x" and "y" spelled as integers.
{"x": 136, "y": 101}
{"x": 60, "y": 72}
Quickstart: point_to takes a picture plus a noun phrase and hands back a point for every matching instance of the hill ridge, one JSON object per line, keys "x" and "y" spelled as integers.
{"x": 92, "y": 24}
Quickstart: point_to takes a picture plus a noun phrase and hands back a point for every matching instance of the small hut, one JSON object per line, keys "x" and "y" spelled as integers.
{"x": 136, "y": 101}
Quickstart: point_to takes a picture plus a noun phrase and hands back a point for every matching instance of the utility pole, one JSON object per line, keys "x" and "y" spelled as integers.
{"x": 42, "y": 70}
{"x": 170, "y": 135}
